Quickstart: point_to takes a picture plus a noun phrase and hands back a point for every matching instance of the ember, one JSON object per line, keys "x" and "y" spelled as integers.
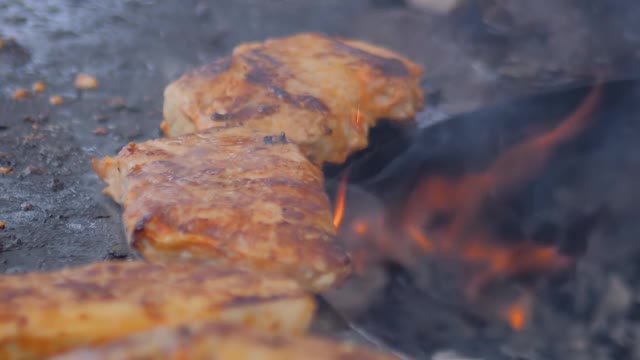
{"x": 516, "y": 313}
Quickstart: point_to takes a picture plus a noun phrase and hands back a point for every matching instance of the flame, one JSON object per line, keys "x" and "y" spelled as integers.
{"x": 420, "y": 238}
{"x": 466, "y": 237}
{"x": 338, "y": 213}
{"x": 356, "y": 120}
{"x": 516, "y": 314}
{"x": 360, "y": 227}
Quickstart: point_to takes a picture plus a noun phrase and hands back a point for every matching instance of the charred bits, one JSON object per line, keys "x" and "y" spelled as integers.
{"x": 12, "y": 53}
{"x": 56, "y": 185}
{"x": 275, "y": 139}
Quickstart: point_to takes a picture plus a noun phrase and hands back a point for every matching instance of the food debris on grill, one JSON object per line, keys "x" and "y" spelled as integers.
{"x": 56, "y": 100}
{"x": 25, "y": 206}
{"x": 2, "y": 225}
{"x": 211, "y": 340}
{"x": 20, "y": 94}
{"x": 100, "y": 131}
{"x": 56, "y": 184}
{"x": 117, "y": 103}
{"x": 85, "y": 82}
{"x": 38, "y": 86}
{"x": 302, "y": 84}
{"x": 32, "y": 170}
{"x": 100, "y": 117}
{"x": 43, "y": 314}
{"x": 4, "y": 170}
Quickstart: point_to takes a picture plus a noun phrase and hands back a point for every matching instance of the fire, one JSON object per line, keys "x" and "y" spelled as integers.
{"x": 356, "y": 120}
{"x": 516, "y": 313}
{"x": 466, "y": 236}
{"x": 360, "y": 227}
{"x": 338, "y": 214}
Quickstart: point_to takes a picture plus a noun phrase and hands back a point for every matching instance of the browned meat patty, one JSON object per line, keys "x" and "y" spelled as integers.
{"x": 229, "y": 195}
{"x": 222, "y": 341}
{"x": 47, "y": 313}
{"x": 324, "y": 93}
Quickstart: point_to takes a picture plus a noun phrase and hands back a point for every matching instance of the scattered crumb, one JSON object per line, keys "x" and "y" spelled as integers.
{"x": 100, "y": 131}
{"x": 35, "y": 126}
{"x": 33, "y": 137}
{"x": 33, "y": 170}
{"x": 42, "y": 117}
{"x": 100, "y": 117}
{"x": 56, "y": 185}
{"x": 2, "y": 224}
{"x": 56, "y": 100}
{"x": 116, "y": 101}
{"x": 20, "y": 94}
{"x": 39, "y": 86}
{"x": 85, "y": 82}
{"x": 5, "y": 170}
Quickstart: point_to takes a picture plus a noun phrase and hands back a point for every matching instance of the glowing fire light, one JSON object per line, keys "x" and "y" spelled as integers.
{"x": 516, "y": 314}
{"x": 466, "y": 237}
{"x": 360, "y": 227}
{"x": 356, "y": 120}
{"x": 338, "y": 214}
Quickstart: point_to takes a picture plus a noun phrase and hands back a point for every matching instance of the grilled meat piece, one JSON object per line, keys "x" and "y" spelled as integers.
{"x": 325, "y": 93}
{"x": 47, "y": 313}
{"x": 229, "y": 195}
{"x": 209, "y": 340}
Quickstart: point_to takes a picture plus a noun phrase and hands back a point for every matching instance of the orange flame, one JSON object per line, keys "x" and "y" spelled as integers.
{"x": 338, "y": 213}
{"x": 356, "y": 120}
{"x": 467, "y": 237}
{"x": 360, "y": 227}
{"x": 517, "y": 313}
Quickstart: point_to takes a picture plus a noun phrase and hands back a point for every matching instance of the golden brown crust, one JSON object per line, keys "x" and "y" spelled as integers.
{"x": 228, "y": 195}
{"x": 310, "y": 86}
{"x": 46, "y": 313}
{"x": 207, "y": 340}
